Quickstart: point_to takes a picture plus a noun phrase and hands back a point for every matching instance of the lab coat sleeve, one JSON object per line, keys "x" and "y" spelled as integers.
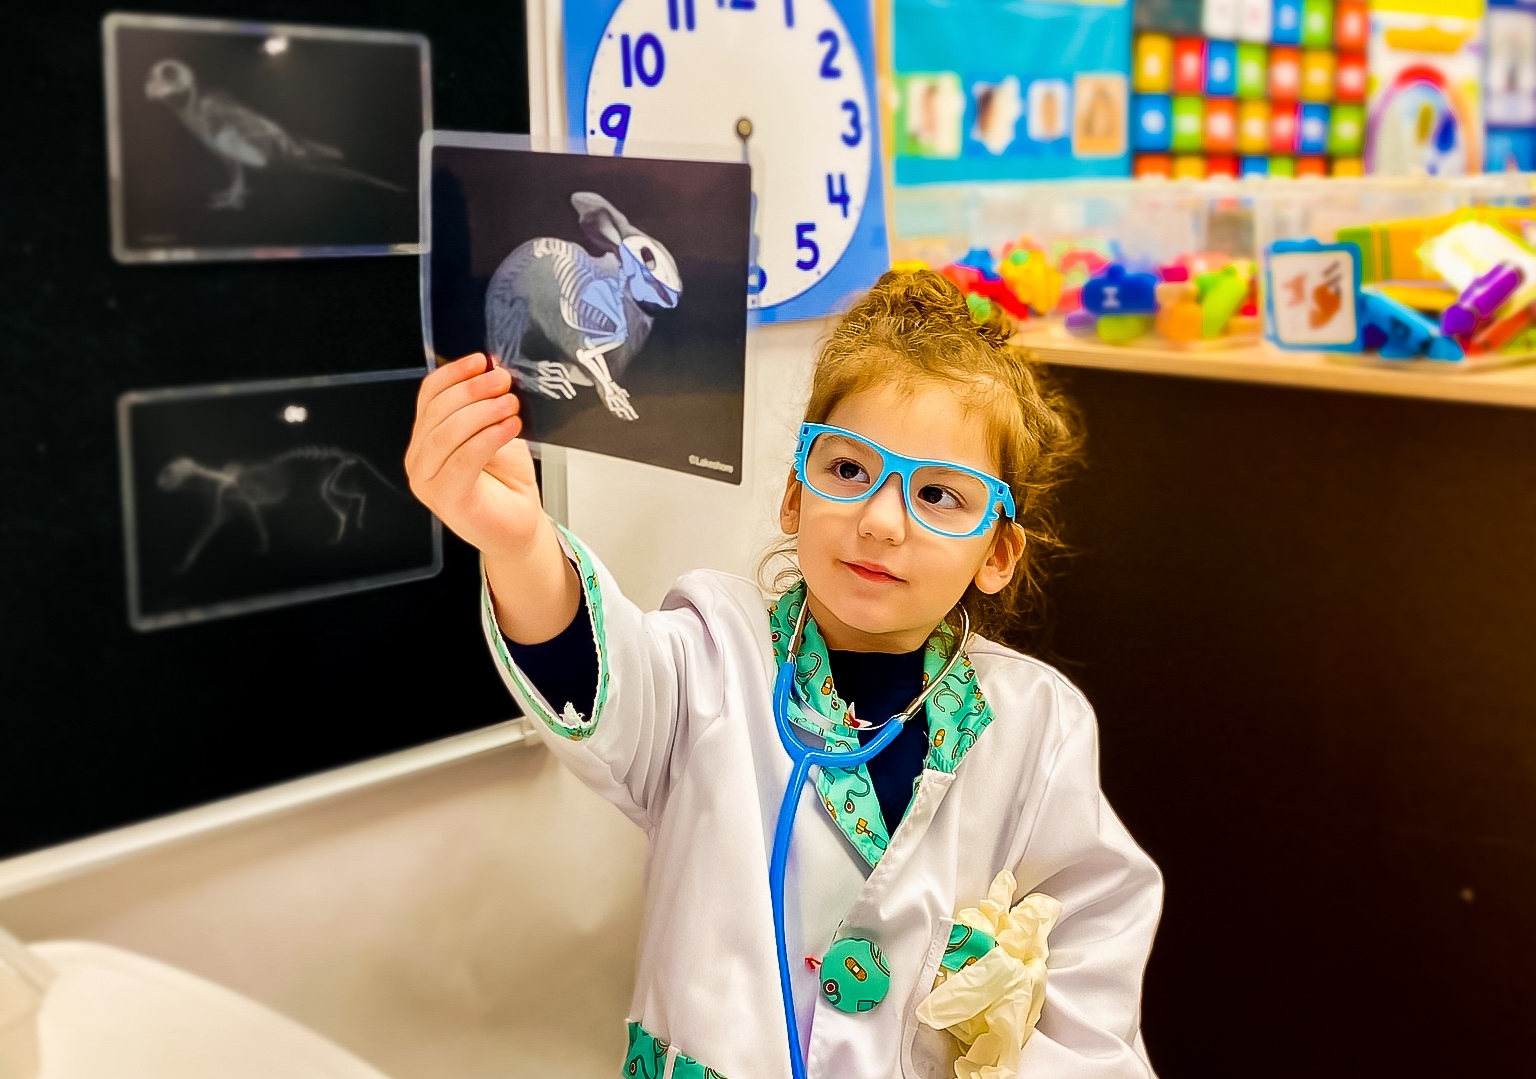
{"x": 655, "y": 675}
{"x": 1111, "y": 896}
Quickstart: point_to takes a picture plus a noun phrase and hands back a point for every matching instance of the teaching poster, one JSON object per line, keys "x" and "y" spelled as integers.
{"x": 1036, "y": 89}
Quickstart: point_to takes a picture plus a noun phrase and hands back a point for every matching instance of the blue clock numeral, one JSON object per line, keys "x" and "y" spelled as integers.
{"x": 789, "y": 13}
{"x": 614, "y": 122}
{"x": 803, "y": 242}
{"x": 838, "y": 197}
{"x": 739, "y": 5}
{"x": 687, "y": 14}
{"x": 853, "y": 137}
{"x": 635, "y": 60}
{"x": 829, "y": 70}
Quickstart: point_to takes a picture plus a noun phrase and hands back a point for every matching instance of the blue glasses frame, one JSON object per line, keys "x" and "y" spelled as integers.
{"x": 899, "y": 465}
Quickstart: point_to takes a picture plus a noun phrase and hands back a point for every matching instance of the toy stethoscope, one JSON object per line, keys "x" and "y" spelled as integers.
{"x": 804, "y": 756}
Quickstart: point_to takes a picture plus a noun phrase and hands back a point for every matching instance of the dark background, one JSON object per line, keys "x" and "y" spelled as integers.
{"x": 362, "y": 98}
{"x": 100, "y": 725}
{"x": 1307, "y": 620}
{"x": 389, "y": 534}
{"x": 687, "y": 382}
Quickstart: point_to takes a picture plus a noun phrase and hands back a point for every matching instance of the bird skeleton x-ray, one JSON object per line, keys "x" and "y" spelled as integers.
{"x": 558, "y": 318}
{"x": 241, "y": 137}
{"x": 260, "y": 485}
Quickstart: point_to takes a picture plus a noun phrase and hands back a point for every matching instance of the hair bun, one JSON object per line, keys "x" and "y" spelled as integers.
{"x": 920, "y": 297}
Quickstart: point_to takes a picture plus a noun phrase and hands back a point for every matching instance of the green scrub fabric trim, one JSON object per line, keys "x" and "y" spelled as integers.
{"x": 647, "y": 1056}
{"x": 647, "y": 1059}
{"x": 569, "y": 723}
{"x": 957, "y": 713}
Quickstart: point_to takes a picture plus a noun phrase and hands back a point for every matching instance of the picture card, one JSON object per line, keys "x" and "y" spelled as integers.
{"x": 1313, "y": 290}
{"x": 234, "y": 140}
{"x": 240, "y": 498}
{"x": 613, "y": 288}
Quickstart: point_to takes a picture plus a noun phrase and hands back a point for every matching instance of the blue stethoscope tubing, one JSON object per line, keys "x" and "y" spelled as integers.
{"x": 804, "y": 756}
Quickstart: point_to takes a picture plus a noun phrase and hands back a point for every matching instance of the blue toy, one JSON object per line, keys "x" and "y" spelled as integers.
{"x": 1404, "y": 334}
{"x": 1117, "y": 292}
{"x": 979, "y": 258}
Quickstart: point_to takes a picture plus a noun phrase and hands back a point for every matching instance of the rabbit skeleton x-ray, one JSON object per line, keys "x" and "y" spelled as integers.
{"x": 594, "y": 314}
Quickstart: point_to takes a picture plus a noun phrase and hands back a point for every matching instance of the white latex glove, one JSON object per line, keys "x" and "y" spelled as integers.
{"x": 992, "y": 1005}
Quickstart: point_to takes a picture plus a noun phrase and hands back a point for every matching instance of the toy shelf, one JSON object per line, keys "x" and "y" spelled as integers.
{"x": 1512, "y": 385}
{"x": 1156, "y": 221}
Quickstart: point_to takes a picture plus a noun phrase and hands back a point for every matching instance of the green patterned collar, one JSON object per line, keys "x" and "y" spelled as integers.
{"x": 957, "y": 713}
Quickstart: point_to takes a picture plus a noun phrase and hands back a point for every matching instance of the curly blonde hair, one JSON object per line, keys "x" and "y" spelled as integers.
{"x": 914, "y": 328}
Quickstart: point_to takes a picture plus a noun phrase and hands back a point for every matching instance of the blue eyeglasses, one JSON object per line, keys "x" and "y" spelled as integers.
{"x": 949, "y": 499}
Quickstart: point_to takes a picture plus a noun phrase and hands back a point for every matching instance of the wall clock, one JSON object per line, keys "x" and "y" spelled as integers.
{"x": 789, "y": 82}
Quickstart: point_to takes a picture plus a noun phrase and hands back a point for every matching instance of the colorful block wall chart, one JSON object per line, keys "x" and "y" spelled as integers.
{"x": 1255, "y": 20}
{"x": 1267, "y": 87}
{"x": 1252, "y": 71}
{"x": 1220, "y": 125}
{"x": 1189, "y": 65}
{"x": 1253, "y": 127}
{"x": 1152, "y": 68}
{"x": 1287, "y": 23}
{"x": 1220, "y": 68}
{"x": 1151, "y": 123}
{"x": 1352, "y": 25}
{"x": 1317, "y": 23}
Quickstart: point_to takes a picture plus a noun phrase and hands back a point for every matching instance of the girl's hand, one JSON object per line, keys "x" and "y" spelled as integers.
{"x": 466, "y": 463}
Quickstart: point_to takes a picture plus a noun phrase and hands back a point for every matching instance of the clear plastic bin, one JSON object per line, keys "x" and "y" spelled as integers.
{"x": 1397, "y": 283}
{"x": 1070, "y": 232}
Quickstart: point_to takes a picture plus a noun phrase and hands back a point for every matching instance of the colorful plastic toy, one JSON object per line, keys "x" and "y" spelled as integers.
{"x": 1401, "y": 333}
{"x": 1117, "y": 292}
{"x": 1122, "y": 329}
{"x": 1221, "y": 295}
{"x": 1478, "y": 302}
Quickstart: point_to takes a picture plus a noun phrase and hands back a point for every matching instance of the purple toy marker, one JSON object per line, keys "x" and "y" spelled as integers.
{"x": 1481, "y": 299}
{"x": 1081, "y": 323}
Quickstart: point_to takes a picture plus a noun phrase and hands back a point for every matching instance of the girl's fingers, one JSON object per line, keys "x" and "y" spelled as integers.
{"x": 438, "y": 443}
{"x": 464, "y": 466}
{"x": 448, "y": 375}
{"x": 487, "y": 385}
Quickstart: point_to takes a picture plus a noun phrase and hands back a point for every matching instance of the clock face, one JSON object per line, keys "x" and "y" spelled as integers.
{"x": 783, "y": 80}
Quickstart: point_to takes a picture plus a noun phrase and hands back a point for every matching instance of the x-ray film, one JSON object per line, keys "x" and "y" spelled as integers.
{"x": 244, "y": 497}
{"x": 233, "y": 140}
{"x": 611, "y": 287}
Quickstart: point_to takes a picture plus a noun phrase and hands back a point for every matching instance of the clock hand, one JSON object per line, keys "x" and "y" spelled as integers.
{"x": 757, "y": 277}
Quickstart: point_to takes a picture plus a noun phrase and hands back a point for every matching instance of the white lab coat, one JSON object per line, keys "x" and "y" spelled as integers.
{"x": 683, "y": 741}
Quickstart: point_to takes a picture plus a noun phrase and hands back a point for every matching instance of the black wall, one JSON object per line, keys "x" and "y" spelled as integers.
{"x": 1307, "y": 621}
{"x": 102, "y": 726}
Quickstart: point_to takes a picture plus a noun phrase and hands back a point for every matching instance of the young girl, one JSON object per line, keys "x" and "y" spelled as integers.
{"x": 881, "y": 899}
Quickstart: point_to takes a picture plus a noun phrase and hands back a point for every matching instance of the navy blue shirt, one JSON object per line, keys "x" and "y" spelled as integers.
{"x": 876, "y": 684}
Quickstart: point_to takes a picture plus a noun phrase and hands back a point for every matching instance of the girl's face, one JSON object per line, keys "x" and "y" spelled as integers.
{"x": 877, "y": 580}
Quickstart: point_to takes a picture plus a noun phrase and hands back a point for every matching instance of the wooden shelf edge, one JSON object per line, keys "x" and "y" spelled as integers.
{"x": 1511, "y": 385}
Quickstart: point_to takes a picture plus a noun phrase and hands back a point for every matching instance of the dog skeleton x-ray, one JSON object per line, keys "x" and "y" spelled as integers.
{"x": 257, "y": 486}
